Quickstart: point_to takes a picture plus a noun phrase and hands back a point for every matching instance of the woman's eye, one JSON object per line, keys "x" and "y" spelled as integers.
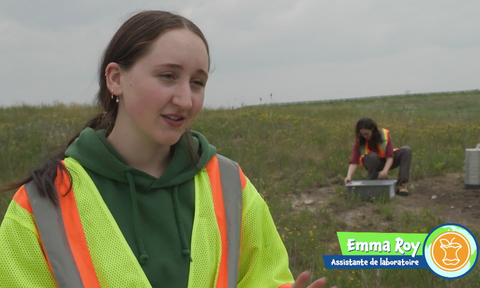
{"x": 167, "y": 76}
{"x": 198, "y": 82}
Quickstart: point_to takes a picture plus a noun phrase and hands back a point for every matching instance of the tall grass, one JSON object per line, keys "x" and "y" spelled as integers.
{"x": 286, "y": 150}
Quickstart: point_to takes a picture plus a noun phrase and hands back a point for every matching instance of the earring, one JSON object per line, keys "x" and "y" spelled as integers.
{"x": 116, "y": 99}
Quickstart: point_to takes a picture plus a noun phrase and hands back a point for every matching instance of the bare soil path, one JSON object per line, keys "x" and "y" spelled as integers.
{"x": 445, "y": 195}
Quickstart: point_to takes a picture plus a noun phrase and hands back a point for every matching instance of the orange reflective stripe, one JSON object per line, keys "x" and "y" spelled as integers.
{"x": 215, "y": 183}
{"x": 243, "y": 179}
{"x": 22, "y": 199}
{"x": 381, "y": 147}
{"x": 287, "y": 285}
{"x": 74, "y": 230}
{"x": 367, "y": 148}
{"x": 381, "y": 153}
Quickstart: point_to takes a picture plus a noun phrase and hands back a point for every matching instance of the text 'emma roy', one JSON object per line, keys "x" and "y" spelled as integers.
{"x": 400, "y": 246}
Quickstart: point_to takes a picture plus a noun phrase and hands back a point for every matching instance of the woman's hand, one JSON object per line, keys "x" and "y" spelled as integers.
{"x": 383, "y": 174}
{"x": 303, "y": 278}
{"x": 351, "y": 170}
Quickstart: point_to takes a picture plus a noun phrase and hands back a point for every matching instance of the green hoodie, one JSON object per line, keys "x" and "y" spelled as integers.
{"x": 155, "y": 215}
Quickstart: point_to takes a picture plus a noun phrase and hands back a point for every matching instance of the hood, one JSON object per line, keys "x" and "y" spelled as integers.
{"x": 92, "y": 150}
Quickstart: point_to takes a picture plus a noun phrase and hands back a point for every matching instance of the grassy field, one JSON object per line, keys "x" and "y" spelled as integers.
{"x": 289, "y": 149}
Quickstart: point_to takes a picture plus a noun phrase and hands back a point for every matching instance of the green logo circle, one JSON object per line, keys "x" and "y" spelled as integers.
{"x": 450, "y": 250}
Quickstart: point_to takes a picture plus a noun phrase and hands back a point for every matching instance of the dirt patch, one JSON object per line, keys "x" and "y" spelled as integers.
{"x": 446, "y": 196}
{"x": 455, "y": 203}
{"x": 314, "y": 199}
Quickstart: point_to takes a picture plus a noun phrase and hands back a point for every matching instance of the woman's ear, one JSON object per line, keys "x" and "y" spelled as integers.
{"x": 113, "y": 74}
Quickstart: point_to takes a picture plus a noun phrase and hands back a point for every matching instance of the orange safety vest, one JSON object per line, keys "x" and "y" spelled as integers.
{"x": 64, "y": 243}
{"x": 381, "y": 147}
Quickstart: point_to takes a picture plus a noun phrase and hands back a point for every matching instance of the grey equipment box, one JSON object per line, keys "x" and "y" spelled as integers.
{"x": 472, "y": 168}
{"x": 372, "y": 189}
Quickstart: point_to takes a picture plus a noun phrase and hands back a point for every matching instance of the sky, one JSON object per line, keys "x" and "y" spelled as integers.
{"x": 268, "y": 51}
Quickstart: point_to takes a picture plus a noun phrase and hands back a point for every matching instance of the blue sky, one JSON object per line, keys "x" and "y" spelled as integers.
{"x": 303, "y": 50}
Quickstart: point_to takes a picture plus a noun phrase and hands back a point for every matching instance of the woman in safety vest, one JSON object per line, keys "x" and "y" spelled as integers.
{"x": 137, "y": 199}
{"x": 373, "y": 150}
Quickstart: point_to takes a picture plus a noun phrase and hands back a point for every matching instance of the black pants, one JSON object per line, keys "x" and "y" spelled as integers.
{"x": 402, "y": 157}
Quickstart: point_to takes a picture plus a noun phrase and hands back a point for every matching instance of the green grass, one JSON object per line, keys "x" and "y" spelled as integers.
{"x": 289, "y": 149}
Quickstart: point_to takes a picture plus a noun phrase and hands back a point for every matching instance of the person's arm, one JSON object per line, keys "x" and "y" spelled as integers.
{"x": 263, "y": 257}
{"x": 389, "y": 155}
{"x": 383, "y": 174}
{"x": 351, "y": 169}
{"x": 354, "y": 161}
{"x": 22, "y": 262}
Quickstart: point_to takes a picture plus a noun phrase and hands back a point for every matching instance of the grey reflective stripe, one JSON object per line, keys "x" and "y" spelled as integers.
{"x": 232, "y": 201}
{"x": 50, "y": 225}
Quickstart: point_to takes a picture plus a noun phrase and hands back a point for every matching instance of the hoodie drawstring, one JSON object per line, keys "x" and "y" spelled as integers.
{"x": 138, "y": 233}
{"x": 181, "y": 228}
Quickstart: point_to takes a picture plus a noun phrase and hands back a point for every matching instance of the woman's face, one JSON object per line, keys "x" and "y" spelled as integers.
{"x": 366, "y": 133}
{"x": 162, "y": 94}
